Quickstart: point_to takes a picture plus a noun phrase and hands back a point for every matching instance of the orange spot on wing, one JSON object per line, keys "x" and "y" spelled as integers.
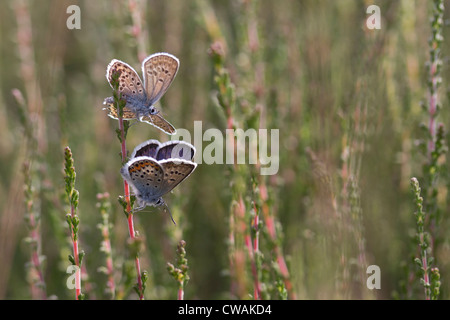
{"x": 138, "y": 166}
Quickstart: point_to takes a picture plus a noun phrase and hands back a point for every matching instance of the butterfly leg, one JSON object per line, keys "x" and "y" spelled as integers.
{"x": 133, "y": 123}
{"x": 140, "y": 207}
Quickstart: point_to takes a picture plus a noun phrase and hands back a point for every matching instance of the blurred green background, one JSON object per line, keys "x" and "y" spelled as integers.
{"x": 347, "y": 101}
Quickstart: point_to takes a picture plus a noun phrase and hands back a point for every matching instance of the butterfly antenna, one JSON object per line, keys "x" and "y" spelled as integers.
{"x": 170, "y": 213}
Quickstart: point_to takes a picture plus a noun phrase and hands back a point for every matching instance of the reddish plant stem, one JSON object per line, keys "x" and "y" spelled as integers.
{"x": 180, "y": 295}
{"x": 131, "y": 230}
{"x": 77, "y": 259}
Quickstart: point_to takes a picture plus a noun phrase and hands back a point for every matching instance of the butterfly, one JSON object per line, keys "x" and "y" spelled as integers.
{"x": 158, "y": 70}
{"x": 155, "y": 168}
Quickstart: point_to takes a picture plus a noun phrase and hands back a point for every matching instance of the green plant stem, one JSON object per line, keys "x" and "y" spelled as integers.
{"x": 423, "y": 240}
{"x": 180, "y": 273}
{"x": 76, "y": 257}
{"x": 72, "y": 218}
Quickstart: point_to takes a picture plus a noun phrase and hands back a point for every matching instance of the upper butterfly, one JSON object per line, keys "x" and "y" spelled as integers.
{"x": 159, "y": 70}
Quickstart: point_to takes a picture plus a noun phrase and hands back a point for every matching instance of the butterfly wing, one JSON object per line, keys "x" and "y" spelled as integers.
{"x": 156, "y": 120}
{"x": 148, "y": 148}
{"x": 158, "y": 70}
{"x": 145, "y": 175}
{"x": 159, "y": 122}
{"x": 128, "y": 114}
{"x": 176, "y": 150}
{"x": 175, "y": 171}
{"x": 130, "y": 85}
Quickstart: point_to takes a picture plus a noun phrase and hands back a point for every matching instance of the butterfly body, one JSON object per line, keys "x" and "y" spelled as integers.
{"x": 158, "y": 71}
{"x": 140, "y": 106}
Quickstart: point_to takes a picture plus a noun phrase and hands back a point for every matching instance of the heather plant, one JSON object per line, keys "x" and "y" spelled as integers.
{"x": 433, "y": 147}
{"x": 425, "y": 258}
{"x": 248, "y": 188}
{"x": 358, "y": 112}
{"x": 73, "y": 220}
{"x": 180, "y": 273}
{"x": 127, "y": 201}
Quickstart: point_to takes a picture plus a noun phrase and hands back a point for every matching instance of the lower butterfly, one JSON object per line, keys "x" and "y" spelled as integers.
{"x": 156, "y": 168}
